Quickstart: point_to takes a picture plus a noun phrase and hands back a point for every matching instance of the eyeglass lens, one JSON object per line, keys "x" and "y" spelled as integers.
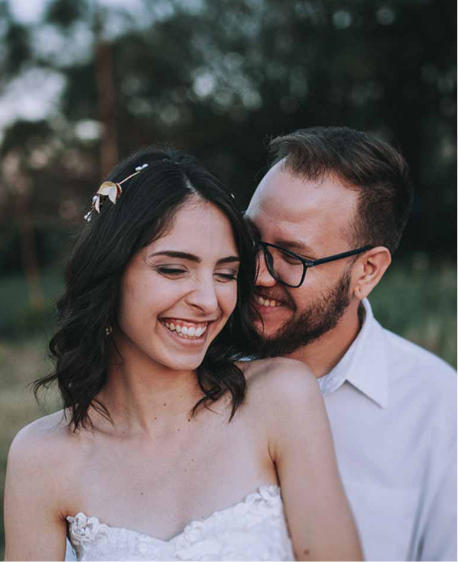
{"x": 283, "y": 267}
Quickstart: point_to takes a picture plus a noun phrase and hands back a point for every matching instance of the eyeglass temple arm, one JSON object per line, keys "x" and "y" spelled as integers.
{"x": 339, "y": 256}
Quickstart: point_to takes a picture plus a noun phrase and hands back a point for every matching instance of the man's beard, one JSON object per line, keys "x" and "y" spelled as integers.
{"x": 319, "y": 317}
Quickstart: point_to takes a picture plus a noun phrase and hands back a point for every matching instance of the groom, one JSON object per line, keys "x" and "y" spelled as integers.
{"x": 329, "y": 215}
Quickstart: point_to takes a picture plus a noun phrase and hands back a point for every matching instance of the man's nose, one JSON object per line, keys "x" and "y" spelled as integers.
{"x": 264, "y": 278}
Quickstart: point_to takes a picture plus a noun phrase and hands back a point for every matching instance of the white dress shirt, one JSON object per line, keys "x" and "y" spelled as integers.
{"x": 392, "y": 408}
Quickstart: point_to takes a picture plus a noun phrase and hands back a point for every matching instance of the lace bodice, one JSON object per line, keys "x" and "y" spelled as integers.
{"x": 253, "y": 529}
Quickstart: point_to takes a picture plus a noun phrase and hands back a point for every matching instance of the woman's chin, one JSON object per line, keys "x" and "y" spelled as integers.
{"x": 184, "y": 363}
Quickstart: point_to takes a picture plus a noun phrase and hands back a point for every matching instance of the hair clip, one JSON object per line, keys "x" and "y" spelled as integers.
{"x": 109, "y": 189}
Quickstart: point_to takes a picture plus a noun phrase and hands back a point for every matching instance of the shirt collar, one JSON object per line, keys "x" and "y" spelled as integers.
{"x": 364, "y": 364}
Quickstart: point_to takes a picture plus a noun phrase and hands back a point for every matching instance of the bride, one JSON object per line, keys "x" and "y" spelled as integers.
{"x": 166, "y": 449}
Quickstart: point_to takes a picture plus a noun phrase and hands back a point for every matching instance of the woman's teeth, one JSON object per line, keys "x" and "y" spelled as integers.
{"x": 191, "y": 331}
{"x": 266, "y": 302}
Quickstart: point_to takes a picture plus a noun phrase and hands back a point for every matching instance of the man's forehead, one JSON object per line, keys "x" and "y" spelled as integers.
{"x": 290, "y": 205}
{"x": 282, "y": 189}
{"x": 280, "y": 182}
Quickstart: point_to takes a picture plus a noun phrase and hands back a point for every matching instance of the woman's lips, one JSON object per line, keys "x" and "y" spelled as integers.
{"x": 185, "y": 329}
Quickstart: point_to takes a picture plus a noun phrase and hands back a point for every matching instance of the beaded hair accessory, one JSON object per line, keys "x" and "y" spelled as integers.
{"x": 111, "y": 190}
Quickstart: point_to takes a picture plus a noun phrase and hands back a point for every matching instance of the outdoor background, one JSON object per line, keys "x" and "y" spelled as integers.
{"x": 85, "y": 82}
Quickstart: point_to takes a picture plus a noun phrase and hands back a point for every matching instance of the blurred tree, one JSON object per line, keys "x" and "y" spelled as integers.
{"x": 106, "y": 90}
{"x": 16, "y": 181}
{"x": 220, "y": 78}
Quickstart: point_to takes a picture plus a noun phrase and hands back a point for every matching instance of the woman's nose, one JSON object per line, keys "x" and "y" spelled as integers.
{"x": 204, "y": 296}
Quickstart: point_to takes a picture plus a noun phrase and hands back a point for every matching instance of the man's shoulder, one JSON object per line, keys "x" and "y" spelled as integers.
{"x": 407, "y": 359}
{"x": 413, "y": 353}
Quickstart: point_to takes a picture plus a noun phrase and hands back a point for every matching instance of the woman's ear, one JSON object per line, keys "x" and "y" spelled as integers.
{"x": 368, "y": 270}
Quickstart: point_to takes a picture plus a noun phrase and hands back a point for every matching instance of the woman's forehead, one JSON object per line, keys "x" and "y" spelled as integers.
{"x": 199, "y": 225}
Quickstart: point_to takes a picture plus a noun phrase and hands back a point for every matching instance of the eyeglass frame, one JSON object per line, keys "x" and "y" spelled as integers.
{"x": 305, "y": 262}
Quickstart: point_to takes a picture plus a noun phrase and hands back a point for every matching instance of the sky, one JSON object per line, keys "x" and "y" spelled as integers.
{"x": 26, "y": 11}
{"x": 35, "y": 94}
{"x": 19, "y": 100}
{"x": 30, "y": 11}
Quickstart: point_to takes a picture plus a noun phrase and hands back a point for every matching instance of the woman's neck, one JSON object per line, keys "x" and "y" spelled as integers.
{"x": 141, "y": 394}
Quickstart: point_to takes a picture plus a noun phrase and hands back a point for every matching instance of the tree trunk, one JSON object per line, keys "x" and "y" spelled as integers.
{"x": 109, "y": 153}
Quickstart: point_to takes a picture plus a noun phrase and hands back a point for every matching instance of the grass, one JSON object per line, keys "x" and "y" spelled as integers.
{"x": 415, "y": 299}
{"x": 419, "y": 302}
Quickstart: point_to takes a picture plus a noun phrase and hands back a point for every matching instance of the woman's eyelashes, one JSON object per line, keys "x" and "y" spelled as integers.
{"x": 179, "y": 271}
{"x": 170, "y": 271}
{"x": 227, "y": 275}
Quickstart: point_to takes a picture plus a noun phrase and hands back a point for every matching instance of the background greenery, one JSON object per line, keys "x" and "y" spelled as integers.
{"x": 217, "y": 78}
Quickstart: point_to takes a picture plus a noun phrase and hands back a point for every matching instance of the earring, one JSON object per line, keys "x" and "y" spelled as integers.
{"x": 108, "y": 330}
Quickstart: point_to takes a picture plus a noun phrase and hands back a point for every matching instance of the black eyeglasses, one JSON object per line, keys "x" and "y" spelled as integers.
{"x": 289, "y": 268}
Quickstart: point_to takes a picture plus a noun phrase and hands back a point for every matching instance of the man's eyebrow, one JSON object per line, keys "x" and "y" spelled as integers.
{"x": 294, "y": 246}
{"x": 192, "y": 257}
{"x": 287, "y": 244}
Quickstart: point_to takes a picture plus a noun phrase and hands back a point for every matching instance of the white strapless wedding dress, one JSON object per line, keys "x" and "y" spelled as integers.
{"x": 253, "y": 529}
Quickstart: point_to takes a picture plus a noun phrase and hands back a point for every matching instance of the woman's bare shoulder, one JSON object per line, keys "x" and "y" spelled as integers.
{"x": 38, "y": 488}
{"x": 279, "y": 380}
{"x": 42, "y": 441}
{"x": 277, "y": 372}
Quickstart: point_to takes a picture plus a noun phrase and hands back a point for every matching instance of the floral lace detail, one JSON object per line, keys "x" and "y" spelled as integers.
{"x": 253, "y": 529}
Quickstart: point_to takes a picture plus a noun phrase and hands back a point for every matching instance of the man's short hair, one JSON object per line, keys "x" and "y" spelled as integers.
{"x": 361, "y": 163}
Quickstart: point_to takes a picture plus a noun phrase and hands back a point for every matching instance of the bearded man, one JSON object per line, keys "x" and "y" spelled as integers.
{"x": 329, "y": 215}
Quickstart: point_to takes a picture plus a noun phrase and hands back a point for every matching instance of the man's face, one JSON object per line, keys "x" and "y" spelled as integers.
{"x": 312, "y": 219}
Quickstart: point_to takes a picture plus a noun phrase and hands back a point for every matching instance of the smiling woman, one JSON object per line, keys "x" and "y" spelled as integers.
{"x": 179, "y": 291}
{"x": 172, "y": 191}
{"x": 142, "y": 462}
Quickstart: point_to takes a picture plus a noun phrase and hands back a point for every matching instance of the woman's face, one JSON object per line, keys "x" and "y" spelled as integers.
{"x": 179, "y": 291}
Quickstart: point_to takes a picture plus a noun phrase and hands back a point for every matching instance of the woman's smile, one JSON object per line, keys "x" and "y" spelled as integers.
{"x": 185, "y": 331}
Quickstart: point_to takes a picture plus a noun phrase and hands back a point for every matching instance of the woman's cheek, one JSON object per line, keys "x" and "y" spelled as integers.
{"x": 232, "y": 298}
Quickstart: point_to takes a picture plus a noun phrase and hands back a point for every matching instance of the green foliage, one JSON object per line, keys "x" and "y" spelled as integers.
{"x": 26, "y": 134}
{"x": 219, "y": 78}
{"x": 18, "y": 41}
{"x": 418, "y": 300}
{"x": 18, "y": 318}
{"x": 65, "y": 13}
{"x": 52, "y": 244}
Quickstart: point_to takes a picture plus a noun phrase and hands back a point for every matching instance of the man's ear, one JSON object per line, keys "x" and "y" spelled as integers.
{"x": 368, "y": 270}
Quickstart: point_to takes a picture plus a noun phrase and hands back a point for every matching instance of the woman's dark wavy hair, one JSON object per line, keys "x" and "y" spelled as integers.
{"x": 103, "y": 249}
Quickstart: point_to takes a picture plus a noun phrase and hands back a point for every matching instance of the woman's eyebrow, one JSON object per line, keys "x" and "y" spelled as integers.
{"x": 192, "y": 257}
{"x": 229, "y": 259}
{"x": 175, "y": 254}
